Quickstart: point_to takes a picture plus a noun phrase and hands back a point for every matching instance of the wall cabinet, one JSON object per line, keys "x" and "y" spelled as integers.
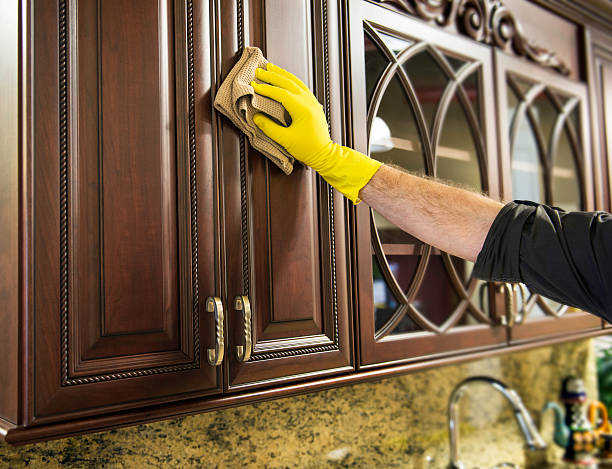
{"x": 153, "y": 264}
{"x": 545, "y": 151}
{"x": 424, "y": 103}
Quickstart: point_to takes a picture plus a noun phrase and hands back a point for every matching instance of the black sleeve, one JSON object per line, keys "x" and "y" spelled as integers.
{"x": 565, "y": 256}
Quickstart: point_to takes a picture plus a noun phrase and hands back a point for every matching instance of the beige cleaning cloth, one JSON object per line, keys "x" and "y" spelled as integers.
{"x": 237, "y": 99}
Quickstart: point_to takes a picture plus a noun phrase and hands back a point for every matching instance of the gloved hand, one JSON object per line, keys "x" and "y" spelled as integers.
{"x": 307, "y": 138}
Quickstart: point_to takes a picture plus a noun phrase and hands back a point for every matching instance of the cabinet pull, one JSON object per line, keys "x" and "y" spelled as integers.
{"x": 508, "y": 318}
{"x": 242, "y": 304}
{"x": 215, "y": 356}
{"x": 522, "y": 313}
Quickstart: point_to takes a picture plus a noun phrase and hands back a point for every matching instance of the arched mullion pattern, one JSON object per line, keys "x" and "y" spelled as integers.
{"x": 455, "y": 88}
{"x": 547, "y": 151}
{"x": 542, "y": 150}
{"x": 562, "y": 123}
{"x": 394, "y": 70}
{"x": 429, "y": 141}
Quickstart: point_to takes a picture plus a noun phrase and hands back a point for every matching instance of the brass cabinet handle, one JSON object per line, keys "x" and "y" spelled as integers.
{"x": 522, "y": 314}
{"x": 242, "y": 304}
{"x": 508, "y": 318}
{"x": 215, "y": 356}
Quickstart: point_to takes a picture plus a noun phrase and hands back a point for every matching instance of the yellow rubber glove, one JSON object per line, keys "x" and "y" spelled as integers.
{"x": 307, "y": 138}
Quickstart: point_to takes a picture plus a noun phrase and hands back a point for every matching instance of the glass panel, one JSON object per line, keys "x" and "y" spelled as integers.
{"x": 403, "y": 268}
{"x": 471, "y": 85}
{"x": 545, "y": 114}
{"x": 552, "y": 304}
{"x": 394, "y": 43}
{"x": 394, "y": 138}
{"x": 527, "y": 175}
{"x": 522, "y": 84}
{"x": 535, "y": 312}
{"x": 375, "y": 62}
{"x": 429, "y": 82}
{"x": 406, "y": 325}
{"x": 513, "y": 103}
{"x": 456, "y": 156}
{"x": 436, "y": 298}
{"x": 385, "y": 302}
{"x": 464, "y": 269}
{"x": 565, "y": 180}
{"x": 455, "y": 62}
{"x": 575, "y": 119}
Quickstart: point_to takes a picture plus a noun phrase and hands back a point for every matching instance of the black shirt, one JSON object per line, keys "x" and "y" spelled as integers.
{"x": 565, "y": 256}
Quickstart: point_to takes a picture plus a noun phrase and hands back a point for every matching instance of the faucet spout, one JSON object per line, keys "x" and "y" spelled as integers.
{"x": 533, "y": 439}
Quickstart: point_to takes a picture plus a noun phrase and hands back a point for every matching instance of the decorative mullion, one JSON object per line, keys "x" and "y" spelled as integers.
{"x": 430, "y": 165}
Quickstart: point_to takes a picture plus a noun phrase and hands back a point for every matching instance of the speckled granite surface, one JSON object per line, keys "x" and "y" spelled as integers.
{"x": 397, "y": 422}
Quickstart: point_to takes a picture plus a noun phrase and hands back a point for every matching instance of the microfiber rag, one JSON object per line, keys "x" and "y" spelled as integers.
{"x": 238, "y": 101}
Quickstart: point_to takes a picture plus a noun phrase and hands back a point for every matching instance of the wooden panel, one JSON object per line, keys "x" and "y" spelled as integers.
{"x": 292, "y": 267}
{"x": 117, "y": 196}
{"x": 538, "y": 25}
{"x": 124, "y": 177}
{"x": 376, "y": 348}
{"x": 9, "y": 212}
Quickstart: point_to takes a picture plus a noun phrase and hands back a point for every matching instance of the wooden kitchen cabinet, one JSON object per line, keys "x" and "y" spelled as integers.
{"x": 545, "y": 151}
{"x": 144, "y": 215}
{"x": 422, "y": 99}
{"x": 138, "y": 227}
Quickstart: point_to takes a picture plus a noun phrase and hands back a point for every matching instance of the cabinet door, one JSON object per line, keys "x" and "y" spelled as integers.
{"x": 422, "y": 99}
{"x": 545, "y": 151}
{"x": 599, "y": 54}
{"x": 123, "y": 206}
{"x": 285, "y": 247}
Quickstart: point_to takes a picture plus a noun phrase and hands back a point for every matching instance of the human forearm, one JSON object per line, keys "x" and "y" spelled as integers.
{"x": 452, "y": 219}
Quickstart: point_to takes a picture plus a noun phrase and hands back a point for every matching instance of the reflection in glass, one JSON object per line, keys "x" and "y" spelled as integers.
{"x": 565, "y": 180}
{"x": 394, "y": 43}
{"x": 527, "y": 174}
{"x": 545, "y": 114}
{"x": 522, "y": 84}
{"x": 575, "y": 121}
{"x": 437, "y": 297}
{"x": 403, "y": 268}
{"x": 455, "y": 62}
{"x": 394, "y": 137}
{"x": 406, "y": 325}
{"x": 463, "y": 268}
{"x": 376, "y": 63}
{"x": 385, "y": 302}
{"x": 512, "y": 105}
{"x": 429, "y": 82}
{"x": 471, "y": 85}
{"x": 457, "y": 159}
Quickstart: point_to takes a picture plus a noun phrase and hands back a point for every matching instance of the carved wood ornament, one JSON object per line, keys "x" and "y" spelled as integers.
{"x": 487, "y": 21}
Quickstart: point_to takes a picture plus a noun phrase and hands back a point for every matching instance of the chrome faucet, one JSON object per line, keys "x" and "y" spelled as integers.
{"x": 532, "y": 437}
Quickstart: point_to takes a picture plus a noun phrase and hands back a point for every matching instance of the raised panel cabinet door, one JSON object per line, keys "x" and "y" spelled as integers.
{"x": 545, "y": 152}
{"x": 285, "y": 234}
{"x": 421, "y": 99}
{"x": 123, "y": 207}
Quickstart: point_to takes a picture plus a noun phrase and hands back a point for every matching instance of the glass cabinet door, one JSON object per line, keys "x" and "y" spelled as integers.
{"x": 546, "y": 159}
{"x": 422, "y": 100}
